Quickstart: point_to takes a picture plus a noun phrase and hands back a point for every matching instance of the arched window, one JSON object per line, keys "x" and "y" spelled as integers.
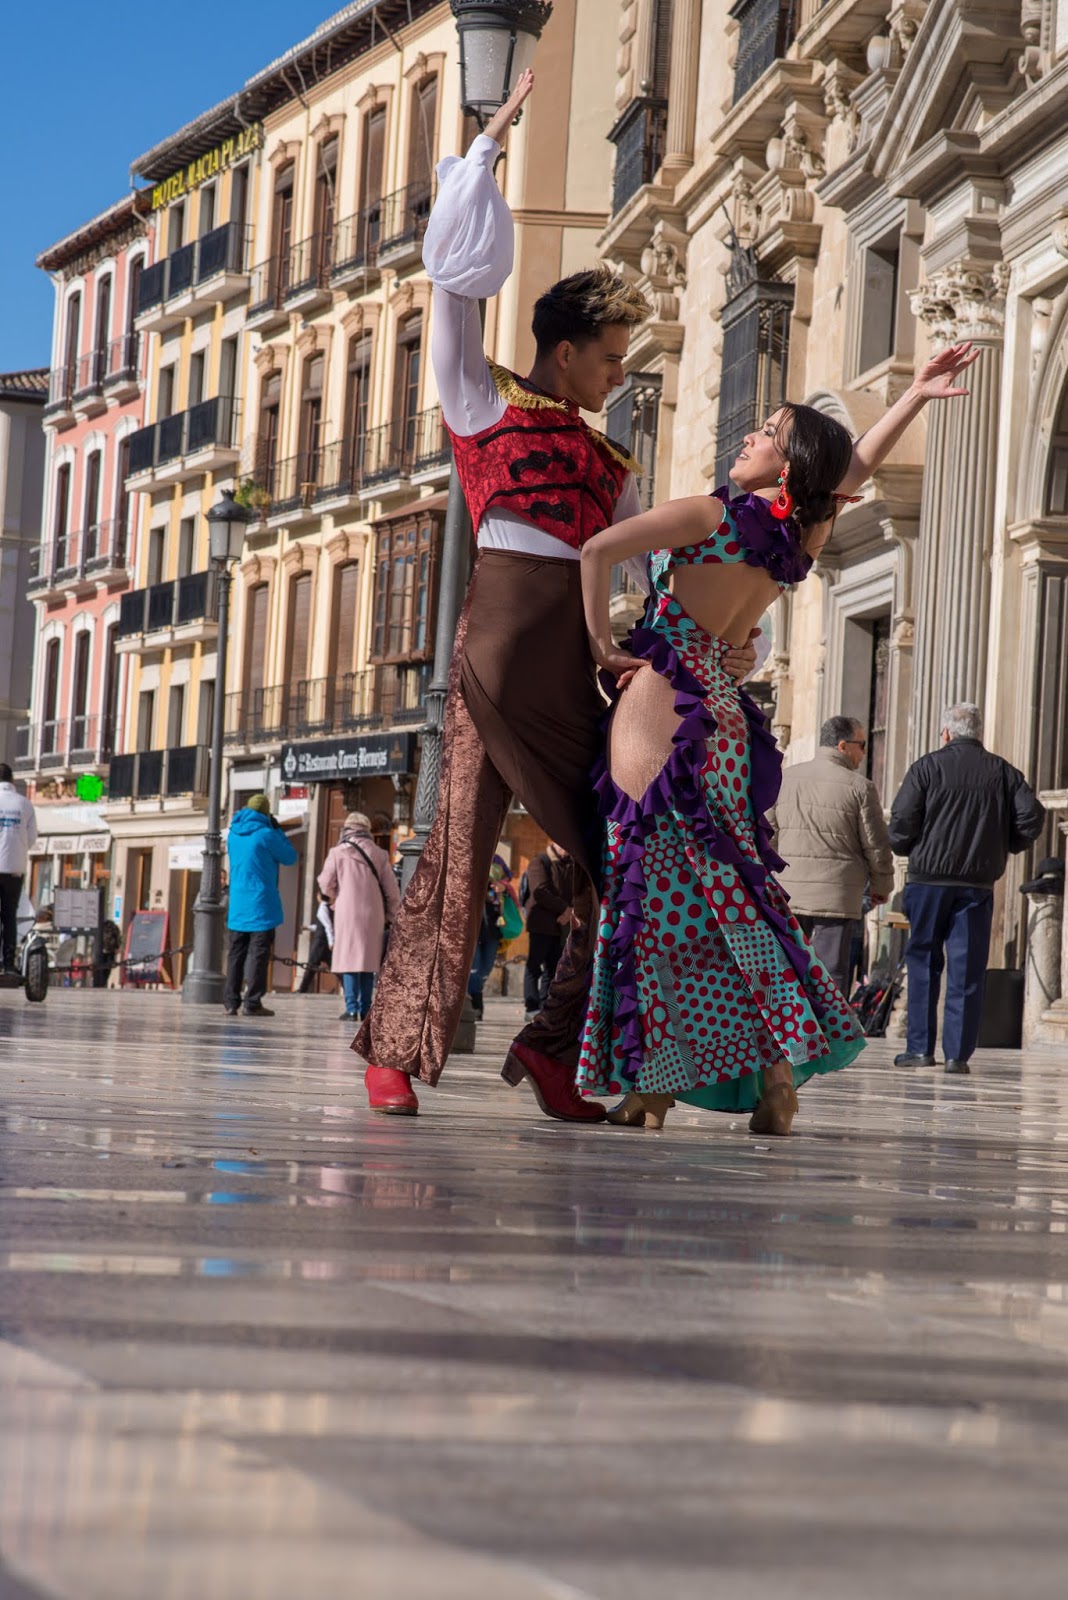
{"x": 407, "y": 382}
{"x": 344, "y": 629}
{"x": 79, "y": 691}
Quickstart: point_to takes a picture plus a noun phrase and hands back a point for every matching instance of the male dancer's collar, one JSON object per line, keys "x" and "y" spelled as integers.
{"x": 527, "y": 396}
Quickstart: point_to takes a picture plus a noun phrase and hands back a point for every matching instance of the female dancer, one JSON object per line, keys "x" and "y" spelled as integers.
{"x": 704, "y": 987}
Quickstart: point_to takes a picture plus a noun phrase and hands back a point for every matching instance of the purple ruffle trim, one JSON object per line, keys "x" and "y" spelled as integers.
{"x": 769, "y": 543}
{"x": 679, "y": 786}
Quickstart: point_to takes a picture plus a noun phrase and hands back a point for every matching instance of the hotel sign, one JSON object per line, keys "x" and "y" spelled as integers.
{"x": 207, "y": 166}
{"x": 327, "y": 760}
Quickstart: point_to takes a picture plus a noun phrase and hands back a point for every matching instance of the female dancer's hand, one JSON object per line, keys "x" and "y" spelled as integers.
{"x": 620, "y": 663}
{"x": 740, "y": 659}
{"x": 502, "y": 120}
{"x": 935, "y": 378}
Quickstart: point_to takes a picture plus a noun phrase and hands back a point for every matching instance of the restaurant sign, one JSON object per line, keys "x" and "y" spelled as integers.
{"x": 209, "y": 165}
{"x": 326, "y": 761}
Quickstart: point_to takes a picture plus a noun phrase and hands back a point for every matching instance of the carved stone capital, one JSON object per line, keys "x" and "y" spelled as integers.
{"x": 1059, "y": 233}
{"x": 838, "y": 84}
{"x": 963, "y": 301}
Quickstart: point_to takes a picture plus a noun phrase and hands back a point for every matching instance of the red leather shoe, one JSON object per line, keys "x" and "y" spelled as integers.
{"x": 553, "y": 1085}
{"x": 390, "y": 1091}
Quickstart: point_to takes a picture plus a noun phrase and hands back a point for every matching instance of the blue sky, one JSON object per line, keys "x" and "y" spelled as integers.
{"x": 89, "y": 87}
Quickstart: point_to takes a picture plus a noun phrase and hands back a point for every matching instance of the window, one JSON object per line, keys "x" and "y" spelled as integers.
{"x": 71, "y": 340}
{"x": 228, "y": 368}
{"x": 765, "y": 28}
{"x": 79, "y": 698}
{"x": 91, "y": 520}
{"x": 878, "y": 701}
{"x": 109, "y": 730}
{"x": 122, "y": 503}
{"x": 633, "y": 421}
{"x": 282, "y": 226}
{"x": 311, "y": 419}
{"x": 357, "y": 399}
{"x": 239, "y": 196}
{"x": 421, "y": 138}
{"x": 255, "y": 658}
{"x": 157, "y": 548}
{"x": 205, "y": 710}
{"x": 298, "y": 640}
{"x": 176, "y": 715}
{"x": 371, "y": 178}
{"x": 267, "y": 447}
{"x": 61, "y": 515}
{"x": 196, "y": 378}
{"x": 206, "y": 216}
{"x": 879, "y": 290}
{"x": 137, "y": 266}
{"x": 103, "y": 327}
{"x": 756, "y": 344}
{"x": 50, "y": 699}
{"x": 146, "y": 718}
{"x": 176, "y": 228}
{"x": 346, "y": 603}
{"x": 166, "y": 392}
{"x": 325, "y": 205}
{"x": 405, "y": 586}
{"x": 186, "y": 547}
{"x": 406, "y": 382}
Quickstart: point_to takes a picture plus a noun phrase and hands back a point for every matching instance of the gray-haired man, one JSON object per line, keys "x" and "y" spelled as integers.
{"x": 832, "y": 834}
{"x": 959, "y": 814}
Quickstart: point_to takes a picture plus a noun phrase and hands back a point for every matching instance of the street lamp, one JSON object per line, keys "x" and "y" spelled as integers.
{"x": 497, "y": 42}
{"x": 227, "y": 523}
{"x": 497, "y": 39}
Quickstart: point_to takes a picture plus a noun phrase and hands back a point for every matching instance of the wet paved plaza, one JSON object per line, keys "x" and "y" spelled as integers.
{"x": 255, "y": 1343}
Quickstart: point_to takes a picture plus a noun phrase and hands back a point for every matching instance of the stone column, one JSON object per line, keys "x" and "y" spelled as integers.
{"x": 1042, "y": 979}
{"x": 957, "y": 511}
{"x": 682, "y": 95}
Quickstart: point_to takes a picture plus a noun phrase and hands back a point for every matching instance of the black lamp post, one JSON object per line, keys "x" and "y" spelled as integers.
{"x": 497, "y": 40}
{"x": 227, "y": 523}
{"x": 497, "y": 43}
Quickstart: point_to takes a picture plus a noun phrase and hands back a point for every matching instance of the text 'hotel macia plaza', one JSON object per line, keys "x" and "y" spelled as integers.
{"x": 811, "y": 194}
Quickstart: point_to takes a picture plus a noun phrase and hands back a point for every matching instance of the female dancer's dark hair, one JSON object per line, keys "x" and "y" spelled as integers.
{"x": 818, "y": 451}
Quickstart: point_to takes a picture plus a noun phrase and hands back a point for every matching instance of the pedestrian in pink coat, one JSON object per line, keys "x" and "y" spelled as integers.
{"x": 358, "y": 880}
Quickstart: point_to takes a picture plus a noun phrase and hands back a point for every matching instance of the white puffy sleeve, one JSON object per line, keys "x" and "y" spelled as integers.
{"x": 629, "y": 505}
{"x": 468, "y": 251}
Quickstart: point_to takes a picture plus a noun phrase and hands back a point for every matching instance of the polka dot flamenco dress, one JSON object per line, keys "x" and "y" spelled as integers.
{"x": 702, "y": 977}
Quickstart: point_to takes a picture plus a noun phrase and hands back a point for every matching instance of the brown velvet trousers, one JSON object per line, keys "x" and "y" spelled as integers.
{"x": 523, "y": 717}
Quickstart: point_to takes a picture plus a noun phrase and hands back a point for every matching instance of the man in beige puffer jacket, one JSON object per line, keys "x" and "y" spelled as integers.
{"x": 831, "y": 832}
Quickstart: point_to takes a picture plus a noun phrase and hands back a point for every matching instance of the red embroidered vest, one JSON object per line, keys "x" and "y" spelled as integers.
{"x": 544, "y": 462}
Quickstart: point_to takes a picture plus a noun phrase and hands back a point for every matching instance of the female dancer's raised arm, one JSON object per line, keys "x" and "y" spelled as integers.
{"x": 934, "y": 381}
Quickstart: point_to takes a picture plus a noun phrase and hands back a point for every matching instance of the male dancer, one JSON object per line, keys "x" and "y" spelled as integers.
{"x": 523, "y": 713}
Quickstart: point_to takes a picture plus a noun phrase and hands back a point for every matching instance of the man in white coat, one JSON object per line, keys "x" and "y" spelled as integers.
{"x": 18, "y": 835}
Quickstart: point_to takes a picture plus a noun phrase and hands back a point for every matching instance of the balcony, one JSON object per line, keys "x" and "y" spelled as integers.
{"x": 356, "y": 243}
{"x": 122, "y": 370}
{"x": 405, "y": 214}
{"x": 104, "y": 551}
{"x": 209, "y": 271}
{"x": 293, "y": 486}
{"x": 160, "y": 774}
{"x": 95, "y": 555}
{"x": 430, "y": 450}
{"x": 266, "y": 295}
{"x": 765, "y": 29}
{"x": 639, "y": 137}
{"x": 73, "y": 744}
{"x": 308, "y": 288}
{"x": 380, "y": 698}
{"x": 59, "y": 407}
{"x": 386, "y": 459}
{"x": 88, "y": 397}
{"x": 186, "y": 445}
{"x": 177, "y": 611}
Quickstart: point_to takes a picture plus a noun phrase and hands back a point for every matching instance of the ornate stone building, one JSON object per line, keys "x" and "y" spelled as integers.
{"x": 814, "y": 206}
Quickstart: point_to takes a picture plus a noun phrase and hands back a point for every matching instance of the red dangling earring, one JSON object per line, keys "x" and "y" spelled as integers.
{"x": 783, "y": 503}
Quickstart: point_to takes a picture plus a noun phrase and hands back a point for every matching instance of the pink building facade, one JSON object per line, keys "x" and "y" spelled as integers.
{"x": 86, "y": 556}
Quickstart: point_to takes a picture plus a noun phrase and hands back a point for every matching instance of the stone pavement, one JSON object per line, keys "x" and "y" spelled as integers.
{"x": 255, "y": 1343}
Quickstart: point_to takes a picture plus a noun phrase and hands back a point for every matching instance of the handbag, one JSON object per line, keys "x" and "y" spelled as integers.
{"x": 382, "y": 892}
{"x": 512, "y": 919}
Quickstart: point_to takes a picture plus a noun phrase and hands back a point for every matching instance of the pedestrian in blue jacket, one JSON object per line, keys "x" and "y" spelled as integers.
{"x": 257, "y": 847}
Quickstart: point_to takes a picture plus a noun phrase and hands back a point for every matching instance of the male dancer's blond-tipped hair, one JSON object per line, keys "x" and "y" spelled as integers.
{"x": 578, "y": 308}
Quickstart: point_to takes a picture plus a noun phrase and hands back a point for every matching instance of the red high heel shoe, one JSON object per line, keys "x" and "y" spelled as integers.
{"x": 553, "y": 1085}
{"x": 390, "y": 1091}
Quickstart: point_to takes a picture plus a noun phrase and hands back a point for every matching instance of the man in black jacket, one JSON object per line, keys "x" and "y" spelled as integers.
{"x": 959, "y": 814}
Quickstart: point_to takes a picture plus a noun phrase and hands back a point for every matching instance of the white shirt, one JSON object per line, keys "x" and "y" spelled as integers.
{"x": 18, "y": 830}
{"x": 468, "y": 252}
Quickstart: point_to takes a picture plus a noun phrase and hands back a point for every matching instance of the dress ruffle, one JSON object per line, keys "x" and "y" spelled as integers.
{"x": 679, "y": 787}
{"x": 771, "y": 544}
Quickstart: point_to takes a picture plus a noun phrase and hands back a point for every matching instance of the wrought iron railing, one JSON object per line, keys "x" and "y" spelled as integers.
{"x": 61, "y": 382}
{"x": 639, "y": 137}
{"x": 212, "y": 422}
{"x": 380, "y": 697}
{"x": 269, "y": 282}
{"x": 89, "y": 379}
{"x": 356, "y": 240}
{"x": 187, "y": 770}
{"x": 310, "y": 264}
{"x": 152, "y": 287}
{"x": 222, "y": 250}
{"x": 429, "y": 443}
{"x": 195, "y": 600}
{"x": 175, "y": 603}
{"x": 122, "y": 360}
{"x": 405, "y": 214}
{"x": 765, "y": 29}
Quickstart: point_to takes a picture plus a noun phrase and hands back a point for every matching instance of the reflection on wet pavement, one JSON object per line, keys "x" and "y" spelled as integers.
{"x": 253, "y": 1341}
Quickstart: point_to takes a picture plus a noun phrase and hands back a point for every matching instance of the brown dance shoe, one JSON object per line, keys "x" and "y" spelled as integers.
{"x": 553, "y": 1085}
{"x": 775, "y": 1110}
{"x": 641, "y": 1111}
